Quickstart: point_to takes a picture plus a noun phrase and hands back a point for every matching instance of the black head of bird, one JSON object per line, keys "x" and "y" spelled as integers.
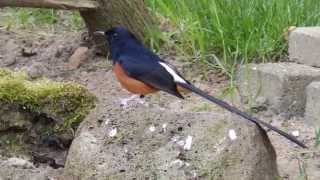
{"x": 118, "y": 38}
{"x": 116, "y": 35}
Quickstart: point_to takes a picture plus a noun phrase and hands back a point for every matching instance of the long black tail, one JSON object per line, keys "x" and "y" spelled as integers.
{"x": 240, "y": 113}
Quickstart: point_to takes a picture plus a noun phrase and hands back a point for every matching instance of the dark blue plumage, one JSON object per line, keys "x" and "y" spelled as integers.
{"x": 138, "y": 61}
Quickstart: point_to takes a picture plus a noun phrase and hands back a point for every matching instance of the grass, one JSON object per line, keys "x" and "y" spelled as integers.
{"x": 302, "y": 170}
{"x": 217, "y": 34}
{"x": 317, "y": 133}
{"x": 48, "y": 19}
{"x": 224, "y": 33}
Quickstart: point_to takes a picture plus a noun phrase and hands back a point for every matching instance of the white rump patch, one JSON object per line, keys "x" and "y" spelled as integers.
{"x": 175, "y": 76}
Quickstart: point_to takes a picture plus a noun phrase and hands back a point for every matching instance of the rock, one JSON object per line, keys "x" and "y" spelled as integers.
{"x": 281, "y": 84}
{"x": 18, "y": 162}
{"x": 11, "y": 117}
{"x": 78, "y": 57}
{"x": 304, "y": 45}
{"x": 312, "y": 114}
{"x": 37, "y": 118}
{"x": 18, "y": 169}
{"x": 28, "y": 52}
{"x": 159, "y": 144}
{"x": 35, "y": 70}
{"x": 8, "y": 61}
{"x": 10, "y": 58}
{"x": 259, "y": 104}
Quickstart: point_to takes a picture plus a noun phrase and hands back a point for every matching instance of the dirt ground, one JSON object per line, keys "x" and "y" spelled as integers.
{"x": 47, "y": 55}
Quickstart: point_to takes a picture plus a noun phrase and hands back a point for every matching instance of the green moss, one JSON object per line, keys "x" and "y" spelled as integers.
{"x": 65, "y": 102}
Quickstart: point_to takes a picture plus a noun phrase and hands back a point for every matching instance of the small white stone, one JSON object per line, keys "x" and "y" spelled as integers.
{"x": 232, "y": 134}
{"x": 152, "y": 128}
{"x": 194, "y": 174}
{"x": 295, "y": 133}
{"x": 113, "y": 132}
{"x": 178, "y": 162}
{"x": 180, "y": 143}
{"x": 164, "y": 127}
{"x": 18, "y": 162}
{"x": 187, "y": 145}
{"x": 174, "y": 138}
{"x": 107, "y": 121}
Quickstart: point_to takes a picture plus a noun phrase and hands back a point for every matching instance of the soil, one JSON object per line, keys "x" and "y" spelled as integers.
{"x": 47, "y": 55}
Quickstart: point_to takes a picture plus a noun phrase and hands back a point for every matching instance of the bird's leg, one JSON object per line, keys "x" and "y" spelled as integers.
{"x": 141, "y": 101}
{"x": 138, "y": 98}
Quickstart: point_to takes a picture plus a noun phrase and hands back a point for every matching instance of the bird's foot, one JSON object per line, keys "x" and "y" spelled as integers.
{"x": 136, "y": 99}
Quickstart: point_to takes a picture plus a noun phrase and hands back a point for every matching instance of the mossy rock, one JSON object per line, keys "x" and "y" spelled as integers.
{"x": 65, "y": 102}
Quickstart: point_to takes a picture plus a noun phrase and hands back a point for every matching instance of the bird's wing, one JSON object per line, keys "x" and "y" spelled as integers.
{"x": 150, "y": 72}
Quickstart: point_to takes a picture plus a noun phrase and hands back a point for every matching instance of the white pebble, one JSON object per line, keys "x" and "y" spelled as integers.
{"x": 180, "y": 143}
{"x": 152, "y": 128}
{"x": 178, "y": 162}
{"x": 107, "y": 121}
{"x": 194, "y": 174}
{"x": 187, "y": 145}
{"x": 174, "y": 138}
{"x": 232, "y": 134}
{"x": 113, "y": 132}
{"x": 18, "y": 162}
{"x": 295, "y": 133}
{"x": 164, "y": 127}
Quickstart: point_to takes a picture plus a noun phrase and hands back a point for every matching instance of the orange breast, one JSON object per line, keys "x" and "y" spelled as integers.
{"x": 131, "y": 84}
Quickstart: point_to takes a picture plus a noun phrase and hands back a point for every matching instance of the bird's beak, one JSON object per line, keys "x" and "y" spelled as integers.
{"x": 99, "y": 33}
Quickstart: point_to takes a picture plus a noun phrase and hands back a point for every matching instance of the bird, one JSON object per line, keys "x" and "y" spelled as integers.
{"x": 141, "y": 71}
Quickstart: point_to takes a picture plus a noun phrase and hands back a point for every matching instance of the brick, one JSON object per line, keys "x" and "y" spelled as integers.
{"x": 312, "y": 113}
{"x": 282, "y": 85}
{"x": 304, "y": 46}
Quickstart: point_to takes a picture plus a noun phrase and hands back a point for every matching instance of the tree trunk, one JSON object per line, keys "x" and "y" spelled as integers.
{"x": 131, "y": 14}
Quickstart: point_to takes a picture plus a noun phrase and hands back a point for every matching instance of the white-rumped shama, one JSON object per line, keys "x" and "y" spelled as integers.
{"x": 141, "y": 71}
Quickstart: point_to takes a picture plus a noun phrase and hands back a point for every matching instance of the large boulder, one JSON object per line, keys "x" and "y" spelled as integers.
{"x": 150, "y": 143}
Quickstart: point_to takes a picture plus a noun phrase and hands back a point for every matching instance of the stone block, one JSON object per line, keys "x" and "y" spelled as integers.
{"x": 312, "y": 113}
{"x": 282, "y": 85}
{"x": 304, "y": 46}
